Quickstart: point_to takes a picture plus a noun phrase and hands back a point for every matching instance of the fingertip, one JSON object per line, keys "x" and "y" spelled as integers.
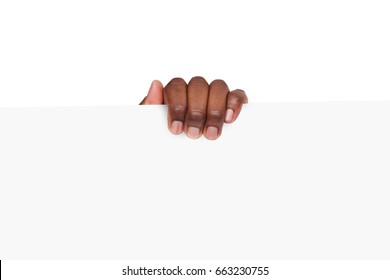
{"x": 176, "y": 127}
{"x": 155, "y": 87}
{"x": 212, "y": 133}
{"x": 193, "y": 132}
{"x": 157, "y": 83}
{"x": 155, "y": 94}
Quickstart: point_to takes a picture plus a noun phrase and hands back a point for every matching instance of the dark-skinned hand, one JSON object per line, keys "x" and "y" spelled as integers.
{"x": 197, "y": 108}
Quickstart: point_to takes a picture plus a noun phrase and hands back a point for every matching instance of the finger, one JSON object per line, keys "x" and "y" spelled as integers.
{"x": 155, "y": 94}
{"x": 175, "y": 95}
{"x": 234, "y": 103}
{"x": 197, "y": 95}
{"x": 215, "y": 109}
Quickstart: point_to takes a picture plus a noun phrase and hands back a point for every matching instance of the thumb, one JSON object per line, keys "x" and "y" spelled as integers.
{"x": 155, "y": 94}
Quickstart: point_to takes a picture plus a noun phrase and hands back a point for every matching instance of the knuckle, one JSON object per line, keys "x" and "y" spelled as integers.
{"x": 215, "y": 115}
{"x": 218, "y": 83}
{"x": 176, "y": 83}
{"x": 178, "y": 109}
{"x": 239, "y": 95}
{"x": 196, "y": 115}
{"x": 197, "y": 80}
{"x": 236, "y": 98}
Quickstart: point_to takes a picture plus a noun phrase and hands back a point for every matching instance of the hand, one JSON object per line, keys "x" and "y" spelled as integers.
{"x": 197, "y": 108}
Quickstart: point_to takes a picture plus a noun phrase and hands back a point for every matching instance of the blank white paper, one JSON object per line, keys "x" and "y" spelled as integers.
{"x": 286, "y": 181}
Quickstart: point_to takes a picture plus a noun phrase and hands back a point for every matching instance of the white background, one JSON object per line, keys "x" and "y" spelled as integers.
{"x": 84, "y": 52}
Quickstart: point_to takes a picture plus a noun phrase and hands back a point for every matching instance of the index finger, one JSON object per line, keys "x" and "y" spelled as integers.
{"x": 175, "y": 96}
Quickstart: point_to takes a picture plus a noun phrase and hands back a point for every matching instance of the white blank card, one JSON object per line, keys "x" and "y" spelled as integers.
{"x": 286, "y": 181}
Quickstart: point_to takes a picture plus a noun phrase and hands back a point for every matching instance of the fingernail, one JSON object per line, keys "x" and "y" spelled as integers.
{"x": 177, "y": 127}
{"x": 212, "y": 133}
{"x": 229, "y": 115}
{"x": 193, "y": 132}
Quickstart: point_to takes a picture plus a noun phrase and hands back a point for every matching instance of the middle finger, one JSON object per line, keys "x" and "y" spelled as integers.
{"x": 197, "y": 96}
